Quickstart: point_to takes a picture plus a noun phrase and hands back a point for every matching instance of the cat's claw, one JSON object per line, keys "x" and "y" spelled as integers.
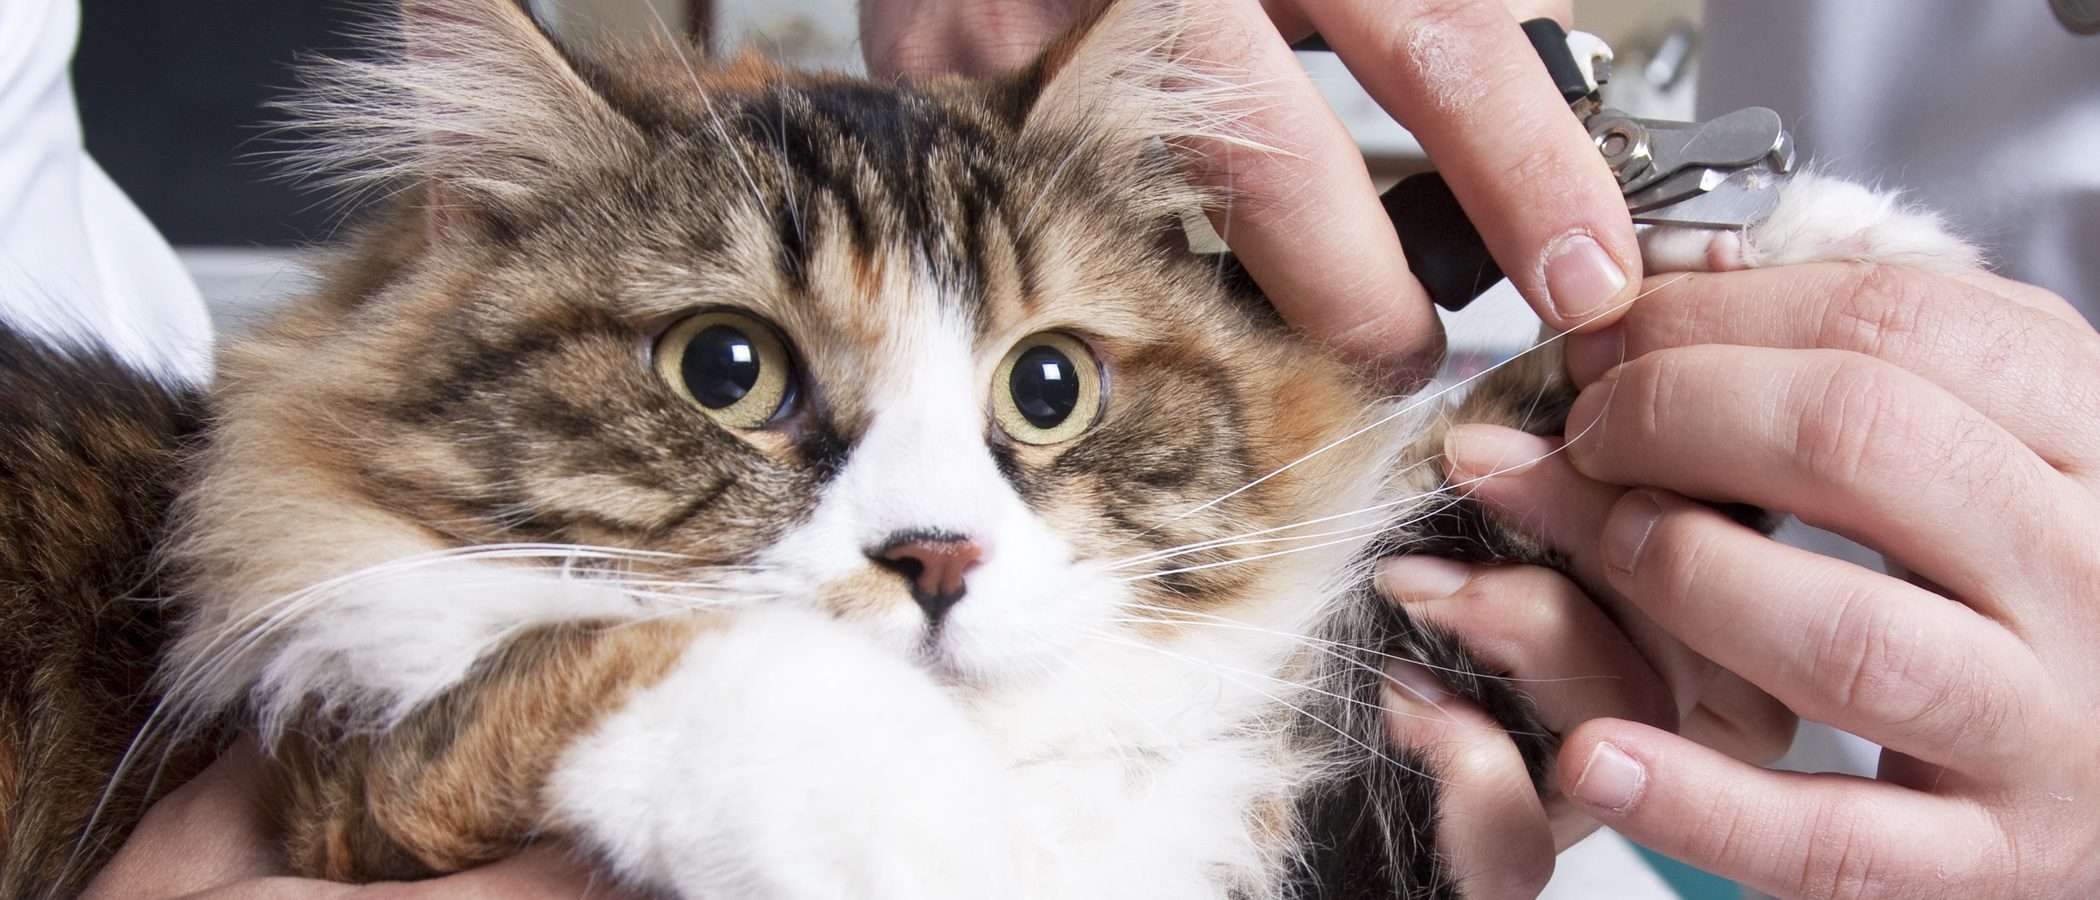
{"x": 1817, "y": 219}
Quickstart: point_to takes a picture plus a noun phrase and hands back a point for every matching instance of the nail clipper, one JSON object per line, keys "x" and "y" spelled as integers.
{"x": 1723, "y": 173}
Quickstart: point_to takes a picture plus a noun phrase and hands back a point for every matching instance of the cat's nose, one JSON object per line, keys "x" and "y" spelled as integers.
{"x": 934, "y": 563}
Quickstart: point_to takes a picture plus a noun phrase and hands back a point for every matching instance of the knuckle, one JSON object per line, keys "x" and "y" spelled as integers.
{"x": 1877, "y": 312}
{"x": 1537, "y": 601}
{"x": 1440, "y": 40}
{"x": 1878, "y": 665}
{"x": 1646, "y": 389}
{"x": 1549, "y": 167}
{"x": 1841, "y": 862}
{"x": 1434, "y": 21}
{"x": 1866, "y": 659}
{"x": 1681, "y": 555}
{"x": 1859, "y": 420}
{"x": 1867, "y": 422}
{"x": 1726, "y": 833}
{"x": 1474, "y": 757}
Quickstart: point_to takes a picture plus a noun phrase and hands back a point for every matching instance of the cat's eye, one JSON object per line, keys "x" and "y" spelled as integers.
{"x": 731, "y": 365}
{"x": 1047, "y": 390}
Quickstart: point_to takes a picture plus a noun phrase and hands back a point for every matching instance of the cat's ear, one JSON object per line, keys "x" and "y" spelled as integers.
{"x": 475, "y": 102}
{"x": 1123, "y": 74}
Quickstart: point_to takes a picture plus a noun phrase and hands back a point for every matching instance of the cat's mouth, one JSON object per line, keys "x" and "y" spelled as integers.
{"x": 937, "y": 657}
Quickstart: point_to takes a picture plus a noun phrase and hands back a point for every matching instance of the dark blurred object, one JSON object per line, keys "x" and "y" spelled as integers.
{"x": 2081, "y": 16}
{"x": 171, "y": 95}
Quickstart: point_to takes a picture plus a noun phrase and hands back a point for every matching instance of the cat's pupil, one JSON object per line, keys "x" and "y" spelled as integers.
{"x": 720, "y": 366}
{"x": 1045, "y": 386}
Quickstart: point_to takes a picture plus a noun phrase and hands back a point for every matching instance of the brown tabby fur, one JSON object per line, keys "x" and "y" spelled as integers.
{"x": 87, "y": 454}
{"x": 457, "y": 784}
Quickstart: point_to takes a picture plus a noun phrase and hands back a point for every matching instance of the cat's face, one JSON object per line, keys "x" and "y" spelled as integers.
{"x": 928, "y": 360}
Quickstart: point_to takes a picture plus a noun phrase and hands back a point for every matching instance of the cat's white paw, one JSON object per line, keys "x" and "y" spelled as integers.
{"x": 785, "y": 757}
{"x": 1818, "y": 219}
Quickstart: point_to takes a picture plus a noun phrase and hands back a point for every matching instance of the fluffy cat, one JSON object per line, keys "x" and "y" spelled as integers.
{"x": 779, "y": 485}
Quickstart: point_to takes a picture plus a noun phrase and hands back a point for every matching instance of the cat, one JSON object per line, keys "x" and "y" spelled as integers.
{"x": 776, "y": 485}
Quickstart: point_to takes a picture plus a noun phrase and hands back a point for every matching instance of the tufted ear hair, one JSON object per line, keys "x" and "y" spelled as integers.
{"x": 1123, "y": 74}
{"x": 469, "y": 98}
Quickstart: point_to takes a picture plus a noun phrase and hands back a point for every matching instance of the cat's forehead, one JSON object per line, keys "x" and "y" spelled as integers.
{"x": 855, "y": 212}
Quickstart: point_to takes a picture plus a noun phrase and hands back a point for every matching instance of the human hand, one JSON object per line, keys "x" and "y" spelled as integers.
{"x": 1570, "y": 657}
{"x": 210, "y": 840}
{"x": 1458, "y": 73}
{"x": 1952, "y": 423}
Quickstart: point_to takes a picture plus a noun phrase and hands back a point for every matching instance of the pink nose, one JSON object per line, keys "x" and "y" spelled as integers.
{"x": 934, "y": 563}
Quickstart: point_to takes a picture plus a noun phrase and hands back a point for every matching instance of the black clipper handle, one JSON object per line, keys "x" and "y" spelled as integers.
{"x": 1443, "y": 248}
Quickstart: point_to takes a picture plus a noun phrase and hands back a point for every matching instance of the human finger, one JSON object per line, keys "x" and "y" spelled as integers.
{"x": 545, "y": 871}
{"x": 1784, "y": 833}
{"x": 1845, "y": 442}
{"x": 1539, "y": 627}
{"x": 1557, "y": 647}
{"x": 1491, "y": 828}
{"x": 916, "y": 38}
{"x": 1884, "y": 659}
{"x": 2028, "y": 295}
{"x": 211, "y": 831}
{"x": 2015, "y": 360}
{"x": 1301, "y": 213}
{"x": 1526, "y": 481}
{"x": 1523, "y": 480}
{"x": 1463, "y": 78}
{"x": 1742, "y": 720}
{"x": 212, "y": 839}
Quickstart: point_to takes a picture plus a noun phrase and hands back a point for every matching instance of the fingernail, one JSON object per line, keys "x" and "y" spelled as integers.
{"x": 1591, "y": 354}
{"x": 1627, "y": 530}
{"x": 1610, "y": 779}
{"x": 1580, "y": 277}
{"x": 1415, "y": 578}
{"x": 1476, "y": 451}
{"x": 1414, "y": 683}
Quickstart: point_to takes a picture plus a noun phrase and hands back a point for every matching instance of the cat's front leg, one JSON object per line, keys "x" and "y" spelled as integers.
{"x": 1817, "y": 219}
{"x": 783, "y": 756}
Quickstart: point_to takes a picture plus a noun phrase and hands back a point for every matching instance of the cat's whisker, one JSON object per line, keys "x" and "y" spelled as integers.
{"x": 787, "y": 184}
{"x": 1227, "y": 544}
{"x": 1340, "y": 649}
{"x": 707, "y": 102}
{"x": 1227, "y": 673}
{"x": 1021, "y": 229}
{"x": 176, "y": 712}
{"x": 1416, "y": 404}
{"x": 232, "y": 642}
{"x": 1283, "y": 681}
{"x": 1165, "y": 741}
{"x": 1353, "y": 535}
{"x": 1213, "y": 542}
